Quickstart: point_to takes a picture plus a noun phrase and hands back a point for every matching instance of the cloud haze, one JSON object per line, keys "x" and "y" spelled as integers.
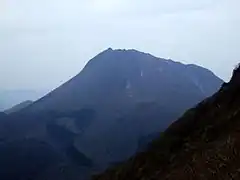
{"x": 45, "y": 42}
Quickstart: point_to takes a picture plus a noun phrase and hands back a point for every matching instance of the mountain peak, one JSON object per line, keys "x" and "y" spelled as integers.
{"x": 111, "y": 50}
{"x": 132, "y": 56}
{"x": 116, "y": 56}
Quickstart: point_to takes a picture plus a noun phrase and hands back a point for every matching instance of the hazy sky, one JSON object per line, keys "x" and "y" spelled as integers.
{"x": 45, "y": 42}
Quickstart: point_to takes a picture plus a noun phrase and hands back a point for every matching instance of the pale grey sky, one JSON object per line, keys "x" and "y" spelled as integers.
{"x": 45, "y": 42}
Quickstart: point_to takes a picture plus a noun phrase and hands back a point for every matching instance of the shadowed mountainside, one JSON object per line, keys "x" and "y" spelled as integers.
{"x": 203, "y": 144}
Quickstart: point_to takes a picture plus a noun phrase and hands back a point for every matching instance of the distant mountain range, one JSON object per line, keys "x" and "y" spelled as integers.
{"x": 10, "y": 98}
{"x": 18, "y": 107}
{"x": 104, "y": 115}
{"x": 203, "y": 144}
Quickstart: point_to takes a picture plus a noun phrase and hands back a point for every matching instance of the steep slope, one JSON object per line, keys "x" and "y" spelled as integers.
{"x": 18, "y": 107}
{"x": 120, "y": 86}
{"x": 203, "y": 144}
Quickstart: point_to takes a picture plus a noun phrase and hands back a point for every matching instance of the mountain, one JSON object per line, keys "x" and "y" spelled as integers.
{"x": 18, "y": 107}
{"x": 124, "y": 88}
{"x": 203, "y": 144}
{"x": 103, "y": 115}
{"x": 9, "y": 98}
